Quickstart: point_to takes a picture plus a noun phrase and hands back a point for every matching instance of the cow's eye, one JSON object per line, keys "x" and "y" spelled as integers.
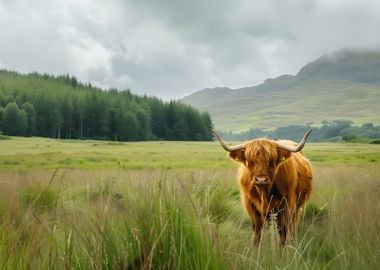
{"x": 249, "y": 163}
{"x": 271, "y": 163}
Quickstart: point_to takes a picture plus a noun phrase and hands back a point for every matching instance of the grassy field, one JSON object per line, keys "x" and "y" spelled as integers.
{"x": 174, "y": 205}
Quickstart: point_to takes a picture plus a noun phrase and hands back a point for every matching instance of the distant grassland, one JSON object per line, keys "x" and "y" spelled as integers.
{"x": 42, "y": 153}
{"x": 175, "y": 205}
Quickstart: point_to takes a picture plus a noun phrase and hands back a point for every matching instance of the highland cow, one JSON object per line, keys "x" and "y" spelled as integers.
{"x": 275, "y": 178}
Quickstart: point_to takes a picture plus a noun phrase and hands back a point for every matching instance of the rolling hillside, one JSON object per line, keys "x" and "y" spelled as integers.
{"x": 343, "y": 85}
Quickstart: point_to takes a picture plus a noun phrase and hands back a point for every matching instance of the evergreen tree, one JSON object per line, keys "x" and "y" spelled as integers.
{"x": 1, "y": 118}
{"x": 10, "y": 117}
{"x": 22, "y": 123}
{"x": 62, "y": 107}
{"x": 159, "y": 125}
{"x": 196, "y": 126}
{"x": 31, "y": 118}
{"x": 40, "y": 112}
{"x": 181, "y": 130}
{"x": 3, "y": 97}
{"x": 55, "y": 123}
{"x": 206, "y": 118}
{"x": 114, "y": 124}
{"x": 78, "y": 118}
{"x": 143, "y": 118}
{"x": 130, "y": 127}
{"x": 14, "y": 120}
{"x": 67, "y": 116}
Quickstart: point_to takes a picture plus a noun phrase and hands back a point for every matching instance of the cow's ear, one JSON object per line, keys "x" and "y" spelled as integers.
{"x": 283, "y": 155}
{"x": 238, "y": 155}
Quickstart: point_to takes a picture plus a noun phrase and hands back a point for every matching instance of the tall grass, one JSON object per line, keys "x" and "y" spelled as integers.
{"x": 176, "y": 219}
{"x": 105, "y": 224}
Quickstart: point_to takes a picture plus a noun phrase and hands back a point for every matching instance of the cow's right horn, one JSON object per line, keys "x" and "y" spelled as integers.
{"x": 297, "y": 147}
{"x": 227, "y": 147}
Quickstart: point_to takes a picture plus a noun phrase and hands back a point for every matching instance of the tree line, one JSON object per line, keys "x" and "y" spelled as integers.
{"x": 64, "y": 108}
{"x": 335, "y": 130}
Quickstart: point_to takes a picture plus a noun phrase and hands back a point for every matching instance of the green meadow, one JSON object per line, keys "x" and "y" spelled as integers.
{"x": 175, "y": 205}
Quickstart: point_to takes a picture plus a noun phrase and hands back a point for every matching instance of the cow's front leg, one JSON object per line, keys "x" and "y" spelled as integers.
{"x": 282, "y": 224}
{"x": 286, "y": 221}
{"x": 257, "y": 224}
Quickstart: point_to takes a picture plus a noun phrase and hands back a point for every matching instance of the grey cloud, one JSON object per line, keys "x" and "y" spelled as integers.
{"x": 171, "y": 48}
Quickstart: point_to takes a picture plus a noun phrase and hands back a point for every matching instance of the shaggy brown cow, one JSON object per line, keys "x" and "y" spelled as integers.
{"x": 275, "y": 178}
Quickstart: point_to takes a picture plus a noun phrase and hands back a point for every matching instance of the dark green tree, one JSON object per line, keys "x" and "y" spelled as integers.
{"x": 4, "y": 98}
{"x": 62, "y": 107}
{"x": 1, "y": 118}
{"x": 78, "y": 117}
{"x": 67, "y": 116}
{"x": 206, "y": 118}
{"x": 41, "y": 105}
{"x": 22, "y": 123}
{"x": 55, "y": 123}
{"x": 130, "y": 124}
{"x": 181, "y": 130}
{"x": 196, "y": 126}
{"x": 14, "y": 120}
{"x": 31, "y": 118}
{"x": 143, "y": 119}
{"x": 159, "y": 126}
{"x": 114, "y": 124}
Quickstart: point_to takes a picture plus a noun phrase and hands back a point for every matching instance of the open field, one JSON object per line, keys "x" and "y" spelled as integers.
{"x": 29, "y": 154}
{"x": 174, "y": 205}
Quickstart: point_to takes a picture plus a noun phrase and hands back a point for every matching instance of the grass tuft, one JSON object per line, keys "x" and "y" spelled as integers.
{"x": 314, "y": 213}
{"x": 45, "y": 199}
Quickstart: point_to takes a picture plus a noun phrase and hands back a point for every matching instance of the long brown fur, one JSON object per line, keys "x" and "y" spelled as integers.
{"x": 289, "y": 185}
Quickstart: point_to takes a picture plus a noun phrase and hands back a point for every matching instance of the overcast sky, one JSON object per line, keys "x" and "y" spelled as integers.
{"x": 171, "y": 48}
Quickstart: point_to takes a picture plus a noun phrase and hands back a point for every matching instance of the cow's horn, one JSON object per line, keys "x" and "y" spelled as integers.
{"x": 227, "y": 147}
{"x": 298, "y": 147}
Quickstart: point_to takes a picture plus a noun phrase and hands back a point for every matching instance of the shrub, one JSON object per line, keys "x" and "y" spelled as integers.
{"x": 350, "y": 138}
{"x": 3, "y": 137}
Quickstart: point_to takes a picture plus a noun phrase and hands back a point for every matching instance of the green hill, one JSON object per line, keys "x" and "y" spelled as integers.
{"x": 342, "y": 85}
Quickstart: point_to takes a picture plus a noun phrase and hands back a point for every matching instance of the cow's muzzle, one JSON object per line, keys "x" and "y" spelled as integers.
{"x": 261, "y": 180}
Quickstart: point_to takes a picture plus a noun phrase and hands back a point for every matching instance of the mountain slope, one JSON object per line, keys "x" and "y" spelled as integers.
{"x": 345, "y": 84}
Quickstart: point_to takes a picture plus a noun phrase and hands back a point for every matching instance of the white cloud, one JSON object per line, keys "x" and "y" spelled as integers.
{"x": 84, "y": 52}
{"x": 150, "y": 43}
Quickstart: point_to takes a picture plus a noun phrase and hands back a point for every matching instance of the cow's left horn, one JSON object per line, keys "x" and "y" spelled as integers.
{"x": 298, "y": 147}
{"x": 227, "y": 147}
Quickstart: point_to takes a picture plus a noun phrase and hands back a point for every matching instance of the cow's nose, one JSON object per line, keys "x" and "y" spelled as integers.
{"x": 261, "y": 180}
